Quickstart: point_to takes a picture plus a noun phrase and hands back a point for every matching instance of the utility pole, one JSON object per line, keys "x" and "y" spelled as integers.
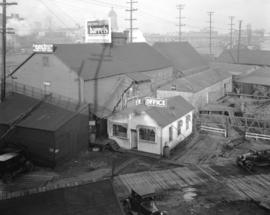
{"x": 239, "y": 40}
{"x": 231, "y": 31}
{"x": 180, "y": 7}
{"x": 131, "y": 19}
{"x": 4, "y": 32}
{"x": 210, "y": 31}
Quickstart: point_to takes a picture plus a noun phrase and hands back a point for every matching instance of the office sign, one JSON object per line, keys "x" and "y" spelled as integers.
{"x": 155, "y": 102}
{"x": 43, "y": 48}
{"x": 98, "y": 31}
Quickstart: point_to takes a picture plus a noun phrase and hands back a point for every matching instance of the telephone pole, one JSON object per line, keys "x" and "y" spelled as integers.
{"x": 4, "y": 30}
{"x": 131, "y": 19}
{"x": 239, "y": 41}
{"x": 231, "y": 31}
{"x": 210, "y": 31}
{"x": 180, "y": 7}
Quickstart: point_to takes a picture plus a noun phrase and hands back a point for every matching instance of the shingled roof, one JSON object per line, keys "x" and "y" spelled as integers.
{"x": 197, "y": 82}
{"x": 177, "y": 107}
{"x": 87, "y": 60}
{"x": 246, "y": 56}
{"x": 182, "y": 56}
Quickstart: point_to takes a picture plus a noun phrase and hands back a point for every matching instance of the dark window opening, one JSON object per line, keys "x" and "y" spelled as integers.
{"x": 179, "y": 126}
{"x": 147, "y": 134}
{"x": 119, "y": 131}
{"x": 170, "y": 133}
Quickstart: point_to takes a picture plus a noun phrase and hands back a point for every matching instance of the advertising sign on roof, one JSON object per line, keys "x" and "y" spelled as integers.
{"x": 43, "y": 48}
{"x": 155, "y": 102}
{"x": 98, "y": 31}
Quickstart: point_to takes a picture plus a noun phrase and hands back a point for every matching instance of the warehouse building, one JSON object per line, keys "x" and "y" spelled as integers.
{"x": 256, "y": 83}
{"x": 245, "y": 56}
{"x": 49, "y": 133}
{"x": 106, "y": 76}
{"x": 184, "y": 58}
{"x": 200, "y": 88}
{"x": 153, "y": 125}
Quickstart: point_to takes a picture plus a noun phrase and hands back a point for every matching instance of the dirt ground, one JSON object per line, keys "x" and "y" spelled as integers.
{"x": 207, "y": 200}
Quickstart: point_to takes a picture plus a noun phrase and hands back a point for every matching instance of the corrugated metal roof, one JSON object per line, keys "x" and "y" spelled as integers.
{"x": 197, "y": 82}
{"x": 246, "y": 56}
{"x": 14, "y": 106}
{"x": 176, "y": 108}
{"x": 45, "y": 117}
{"x": 181, "y": 55}
{"x": 85, "y": 59}
{"x": 260, "y": 76}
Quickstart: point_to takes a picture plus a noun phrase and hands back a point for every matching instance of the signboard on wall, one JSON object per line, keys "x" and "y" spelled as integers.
{"x": 43, "y": 48}
{"x": 155, "y": 102}
{"x": 98, "y": 31}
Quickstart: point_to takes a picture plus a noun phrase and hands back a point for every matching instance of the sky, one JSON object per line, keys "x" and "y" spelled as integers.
{"x": 153, "y": 16}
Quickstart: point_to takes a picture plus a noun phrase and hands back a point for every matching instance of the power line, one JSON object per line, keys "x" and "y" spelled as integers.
{"x": 180, "y": 7}
{"x": 131, "y": 19}
{"x": 231, "y": 31}
{"x": 239, "y": 40}
{"x": 210, "y": 31}
{"x": 5, "y": 31}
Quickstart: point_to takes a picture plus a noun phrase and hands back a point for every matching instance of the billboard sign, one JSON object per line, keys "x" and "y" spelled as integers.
{"x": 98, "y": 31}
{"x": 43, "y": 48}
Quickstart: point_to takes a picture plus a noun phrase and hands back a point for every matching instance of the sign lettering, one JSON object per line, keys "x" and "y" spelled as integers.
{"x": 43, "y": 48}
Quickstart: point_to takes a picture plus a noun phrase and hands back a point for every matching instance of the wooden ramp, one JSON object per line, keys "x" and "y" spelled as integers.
{"x": 159, "y": 180}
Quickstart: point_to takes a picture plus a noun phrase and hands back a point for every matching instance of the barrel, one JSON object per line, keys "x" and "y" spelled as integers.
{"x": 166, "y": 151}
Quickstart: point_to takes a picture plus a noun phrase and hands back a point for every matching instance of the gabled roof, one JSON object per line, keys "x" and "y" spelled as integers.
{"x": 45, "y": 117}
{"x": 246, "y": 56}
{"x": 181, "y": 55}
{"x": 86, "y": 59}
{"x": 177, "y": 107}
{"x": 93, "y": 198}
{"x": 234, "y": 69}
{"x": 260, "y": 76}
{"x": 197, "y": 82}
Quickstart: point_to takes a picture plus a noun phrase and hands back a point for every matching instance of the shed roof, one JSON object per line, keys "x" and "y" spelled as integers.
{"x": 86, "y": 59}
{"x": 234, "y": 69}
{"x": 176, "y": 108}
{"x": 93, "y": 198}
{"x": 197, "y": 82}
{"x": 45, "y": 117}
{"x": 246, "y": 56}
{"x": 260, "y": 76}
{"x": 181, "y": 55}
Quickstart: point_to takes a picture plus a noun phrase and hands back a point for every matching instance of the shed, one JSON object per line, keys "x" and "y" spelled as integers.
{"x": 93, "y": 198}
{"x": 49, "y": 133}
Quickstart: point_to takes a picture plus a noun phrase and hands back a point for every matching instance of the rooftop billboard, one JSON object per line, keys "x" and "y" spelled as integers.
{"x": 98, "y": 31}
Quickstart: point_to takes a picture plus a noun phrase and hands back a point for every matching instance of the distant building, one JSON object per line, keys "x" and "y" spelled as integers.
{"x": 113, "y": 16}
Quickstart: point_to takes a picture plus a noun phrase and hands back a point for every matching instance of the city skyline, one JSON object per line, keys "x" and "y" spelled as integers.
{"x": 152, "y": 16}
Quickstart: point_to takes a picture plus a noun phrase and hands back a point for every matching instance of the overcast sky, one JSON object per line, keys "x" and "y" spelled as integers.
{"x": 154, "y": 16}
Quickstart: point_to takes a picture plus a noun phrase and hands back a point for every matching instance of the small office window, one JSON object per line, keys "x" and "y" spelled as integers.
{"x": 119, "y": 130}
{"x": 188, "y": 119}
{"x": 147, "y": 134}
{"x": 170, "y": 133}
{"x": 179, "y": 126}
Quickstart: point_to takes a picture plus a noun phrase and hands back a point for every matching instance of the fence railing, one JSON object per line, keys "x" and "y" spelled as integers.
{"x": 214, "y": 129}
{"x": 55, "y": 99}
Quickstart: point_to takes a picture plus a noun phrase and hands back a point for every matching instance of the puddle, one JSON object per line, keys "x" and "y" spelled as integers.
{"x": 189, "y": 193}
